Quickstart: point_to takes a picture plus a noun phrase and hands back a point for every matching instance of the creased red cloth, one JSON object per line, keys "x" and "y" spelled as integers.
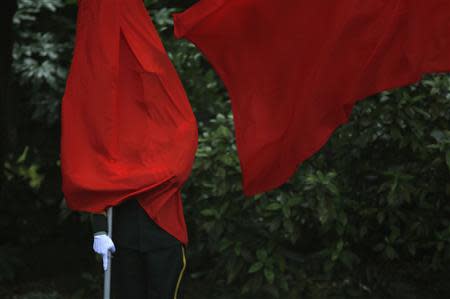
{"x": 127, "y": 126}
{"x": 294, "y": 68}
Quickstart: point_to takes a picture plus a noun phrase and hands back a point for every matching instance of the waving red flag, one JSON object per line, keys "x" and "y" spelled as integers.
{"x": 295, "y": 68}
{"x": 127, "y": 126}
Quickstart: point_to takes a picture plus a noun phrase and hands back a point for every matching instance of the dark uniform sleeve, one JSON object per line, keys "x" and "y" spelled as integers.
{"x": 99, "y": 224}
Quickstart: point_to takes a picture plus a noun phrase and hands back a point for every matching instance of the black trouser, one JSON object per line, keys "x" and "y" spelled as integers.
{"x": 148, "y": 263}
{"x": 154, "y": 274}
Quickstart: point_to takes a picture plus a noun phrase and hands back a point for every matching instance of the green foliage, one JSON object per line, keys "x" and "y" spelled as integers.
{"x": 373, "y": 200}
{"x": 39, "y": 61}
{"x": 20, "y": 168}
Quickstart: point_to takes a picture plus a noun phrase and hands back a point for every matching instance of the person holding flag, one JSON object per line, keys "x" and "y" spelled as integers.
{"x": 128, "y": 142}
{"x": 293, "y": 69}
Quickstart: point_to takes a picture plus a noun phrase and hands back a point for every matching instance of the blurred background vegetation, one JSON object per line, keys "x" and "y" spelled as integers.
{"x": 366, "y": 217}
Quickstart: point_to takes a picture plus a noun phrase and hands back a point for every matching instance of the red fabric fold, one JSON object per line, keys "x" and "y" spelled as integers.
{"x": 294, "y": 68}
{"x": 127, "y": 125}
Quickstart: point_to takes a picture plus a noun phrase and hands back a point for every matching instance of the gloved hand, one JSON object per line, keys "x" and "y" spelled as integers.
{"x": 103, "y": 244}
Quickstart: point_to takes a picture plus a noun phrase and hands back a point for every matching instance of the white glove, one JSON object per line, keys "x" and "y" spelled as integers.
{"x": 103, "y": 244}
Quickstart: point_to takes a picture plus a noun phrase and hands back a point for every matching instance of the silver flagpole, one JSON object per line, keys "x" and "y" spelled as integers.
{"x": 107, "y": 280}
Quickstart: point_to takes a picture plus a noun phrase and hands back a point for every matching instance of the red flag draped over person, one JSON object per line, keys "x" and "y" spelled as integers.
{"x": 294, "y": 68}
{"x": 127, "y": 126}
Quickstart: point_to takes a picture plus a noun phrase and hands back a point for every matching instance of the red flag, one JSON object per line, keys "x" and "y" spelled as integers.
{"x": 295, "y": 68}
{"x": 127, "y": 126}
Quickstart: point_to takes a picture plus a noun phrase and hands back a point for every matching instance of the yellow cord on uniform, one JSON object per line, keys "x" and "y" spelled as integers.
{"x": 181, "y": 273}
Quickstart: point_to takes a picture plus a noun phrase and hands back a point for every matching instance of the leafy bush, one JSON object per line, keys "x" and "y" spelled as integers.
{"x": 366, "y": 213}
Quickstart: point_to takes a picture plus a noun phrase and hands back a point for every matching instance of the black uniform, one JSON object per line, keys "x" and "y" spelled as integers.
{"x": 149, "y": 263}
